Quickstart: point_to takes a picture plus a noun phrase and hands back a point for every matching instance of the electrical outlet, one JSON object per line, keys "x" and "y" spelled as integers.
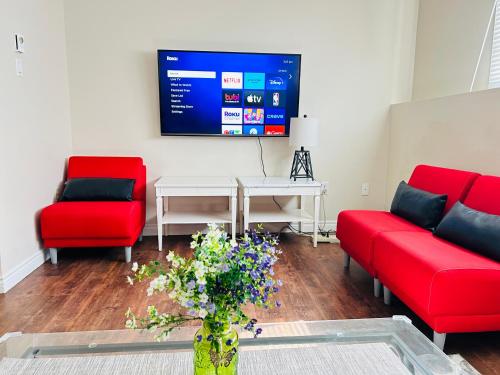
{"x": 324, "y": 187}
{"x": 365, "y": 189}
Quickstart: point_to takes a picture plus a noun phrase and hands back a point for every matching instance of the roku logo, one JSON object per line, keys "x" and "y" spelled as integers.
{"x": 172, "y": 58}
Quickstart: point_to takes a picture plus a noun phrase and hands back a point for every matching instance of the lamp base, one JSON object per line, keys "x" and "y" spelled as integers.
{"x": 301, "y": 166}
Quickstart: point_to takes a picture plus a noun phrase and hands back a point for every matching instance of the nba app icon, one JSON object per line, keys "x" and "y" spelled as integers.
{"x": 276, "y": 99}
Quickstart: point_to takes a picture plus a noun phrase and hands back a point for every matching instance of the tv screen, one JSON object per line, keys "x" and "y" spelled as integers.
{"x": 228, "y": 93}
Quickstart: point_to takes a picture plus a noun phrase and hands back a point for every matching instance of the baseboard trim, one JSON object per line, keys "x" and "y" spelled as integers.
{"x": 151, "y": 229}
{"x": 16, "y": 275}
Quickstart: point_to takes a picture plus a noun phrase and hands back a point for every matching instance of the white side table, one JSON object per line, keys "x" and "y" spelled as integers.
{"x": 191, "y": 187}
{"x": 275, "y": 186}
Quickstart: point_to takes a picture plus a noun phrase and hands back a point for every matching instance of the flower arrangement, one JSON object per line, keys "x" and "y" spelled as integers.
{"x": 222, "y": 276}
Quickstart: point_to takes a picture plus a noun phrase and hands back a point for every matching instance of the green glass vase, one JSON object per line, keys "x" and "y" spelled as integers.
{"x": 216, "y": 349}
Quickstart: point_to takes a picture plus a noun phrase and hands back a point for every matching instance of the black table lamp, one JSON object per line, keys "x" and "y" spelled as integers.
{"x": 304, "y": 132}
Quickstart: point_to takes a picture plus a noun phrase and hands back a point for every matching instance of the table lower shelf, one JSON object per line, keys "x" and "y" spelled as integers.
{"x": 275, "y": 215}
{"x": 196, "y": 217}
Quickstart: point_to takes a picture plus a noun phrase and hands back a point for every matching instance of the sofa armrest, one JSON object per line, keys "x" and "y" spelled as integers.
{"x": 465, "y": 292}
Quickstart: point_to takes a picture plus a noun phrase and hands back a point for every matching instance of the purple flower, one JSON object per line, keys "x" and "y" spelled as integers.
{"x": 254, "y": 275}
{"x": 269, "y": 282}
{"x": 229, "y": 255}
{"x": 190, "y": 285}
{"x": 210, "y": 337}
{"x": 229, "y": 342}
{"x": 211, "y": 308}
{"x": 280, "y": 283}
{"x": 201, "y": 288}
{"x": 258, "y": 331}
{"x": 190, "y": 303}
{"x": 192, "y": 313}
{"x": 278, "y": 304}
{"x": 271, "y": 272}
{"x": 225, "y": 267}
{"x": 198, "y": 338}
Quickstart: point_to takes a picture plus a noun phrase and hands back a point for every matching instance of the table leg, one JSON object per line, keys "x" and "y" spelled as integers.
{"x": 159, "y": 220}
{"x": 246, "y": 213}
{"x": 301, "y": 212}
{"x": 234, "y": 208}
{"x": 316, "y": 220}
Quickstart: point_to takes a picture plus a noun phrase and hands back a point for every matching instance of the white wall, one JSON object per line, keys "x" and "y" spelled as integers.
{"x": 35, "y": 128}
{"x": 449, "y": 39}
{"x": 350, "y": 50}
{"x": 459, "y": 132}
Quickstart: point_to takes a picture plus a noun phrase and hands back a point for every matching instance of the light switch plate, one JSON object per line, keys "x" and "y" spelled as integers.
{"x": 19, "y": 68}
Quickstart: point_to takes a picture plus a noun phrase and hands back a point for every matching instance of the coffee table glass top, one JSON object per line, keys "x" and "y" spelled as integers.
{"x": 417, "y": 353}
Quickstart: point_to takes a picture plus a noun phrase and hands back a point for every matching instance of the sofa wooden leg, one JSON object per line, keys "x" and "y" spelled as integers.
{"x": 376, "y": 287}
{"x": 53, "y": 255}
{"x": 347, "y": 260}
{"x": 128, "y": 254}
{"x": 439, "y": 339}
{"x": 387, "y": 296}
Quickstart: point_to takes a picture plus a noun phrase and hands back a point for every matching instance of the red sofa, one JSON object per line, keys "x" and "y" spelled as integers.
{"x": 451, "y": 288}
{"x": 97, "y": 224}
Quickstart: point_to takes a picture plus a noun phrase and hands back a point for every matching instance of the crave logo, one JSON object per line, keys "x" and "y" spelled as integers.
{"x": 275, "y": 116}
{"x": 231, "y": 115}
{"x": 231, "y": 98}
{"x": 254, "y": 98}
{"x": 232, "y": 80}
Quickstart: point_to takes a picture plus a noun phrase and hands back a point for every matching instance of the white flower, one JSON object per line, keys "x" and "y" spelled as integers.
{"x": 233, "y": 243}
{"x": 199, "y": 273}
{"x": 130, "y": 281}
{"x": 170, "y": 255}
{"x": 172, "y": 294}
{"x": 204, "y": 298}
{"x": 135, "y": 267}
{"x": 175, "y": 263}
{"x": 202, "y": 313}
{"x": 193, "y": 244}
{"x": 150, "y": 291}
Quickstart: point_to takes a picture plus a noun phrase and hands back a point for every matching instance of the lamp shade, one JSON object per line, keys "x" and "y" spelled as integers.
{"x": 304, "y": 131}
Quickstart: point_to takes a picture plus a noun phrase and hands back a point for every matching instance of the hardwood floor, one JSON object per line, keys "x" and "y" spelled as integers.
{"x": 87, "y": 291}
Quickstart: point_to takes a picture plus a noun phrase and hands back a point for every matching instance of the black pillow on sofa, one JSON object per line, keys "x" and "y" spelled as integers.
{"x": 98, "y": 189}
{"x": 418, "y": 206}
{"x": 474, "y": 230}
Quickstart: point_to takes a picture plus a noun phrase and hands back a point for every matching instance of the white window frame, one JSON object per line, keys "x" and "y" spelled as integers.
{"x": 494, "y": 81}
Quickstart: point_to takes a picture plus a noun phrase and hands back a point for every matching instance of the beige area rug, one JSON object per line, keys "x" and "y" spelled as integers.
{"x": 356, "y": 359}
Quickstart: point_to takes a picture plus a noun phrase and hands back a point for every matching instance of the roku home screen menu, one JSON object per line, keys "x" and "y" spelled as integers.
{"x": 231, "y": 94}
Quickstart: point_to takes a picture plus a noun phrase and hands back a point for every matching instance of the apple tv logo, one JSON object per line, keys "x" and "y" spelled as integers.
{"x": 254, "y": 98}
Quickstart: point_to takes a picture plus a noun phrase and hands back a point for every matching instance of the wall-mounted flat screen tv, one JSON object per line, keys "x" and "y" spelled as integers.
{"x": 229, "y": 94}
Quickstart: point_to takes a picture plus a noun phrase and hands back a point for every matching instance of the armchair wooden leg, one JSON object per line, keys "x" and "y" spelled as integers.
{"x": 53, "y": 255}
{"x": 387, "y": 296}
{"x": 347, "y": 260}
{"x": 439, "y": 339}
{"x": 128, "y": 254}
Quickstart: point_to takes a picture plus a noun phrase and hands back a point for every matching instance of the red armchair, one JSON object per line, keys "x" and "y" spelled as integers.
{"x": 97, "y": 224}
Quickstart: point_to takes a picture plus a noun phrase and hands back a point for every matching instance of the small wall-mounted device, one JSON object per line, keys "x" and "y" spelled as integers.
{"x": 19, "y": 43}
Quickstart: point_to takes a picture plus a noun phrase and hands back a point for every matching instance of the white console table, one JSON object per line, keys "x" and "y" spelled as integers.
{"x": 276, "y": 186}
{"x": 190, "y": 187}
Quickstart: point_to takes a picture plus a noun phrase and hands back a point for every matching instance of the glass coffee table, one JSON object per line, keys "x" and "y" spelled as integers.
{"x": 334, "y": 346}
